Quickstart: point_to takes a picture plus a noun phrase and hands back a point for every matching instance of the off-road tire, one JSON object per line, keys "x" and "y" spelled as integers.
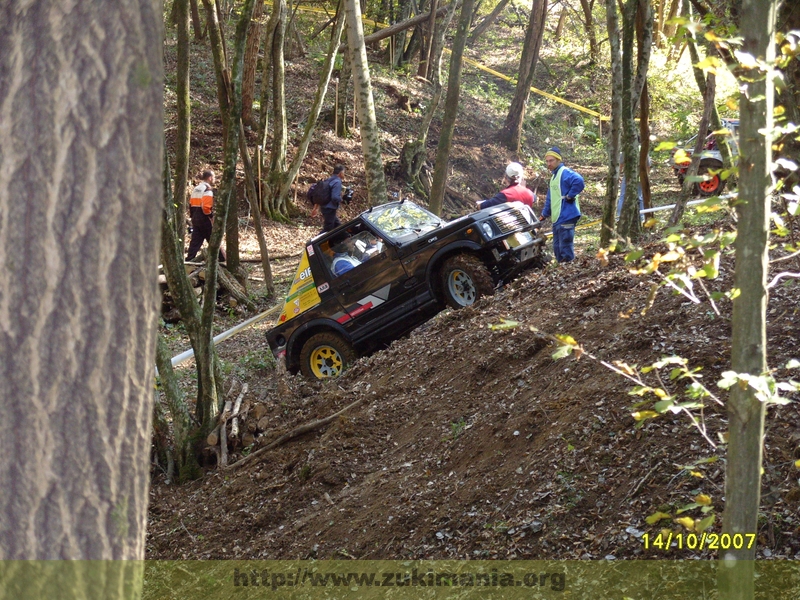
{"x": 326, "y": 356}
{"x": 463, "y": 279}
{"x": 714, "y": 186}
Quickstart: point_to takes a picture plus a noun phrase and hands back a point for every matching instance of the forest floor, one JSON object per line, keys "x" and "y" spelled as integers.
{"x": 473, "y": 442}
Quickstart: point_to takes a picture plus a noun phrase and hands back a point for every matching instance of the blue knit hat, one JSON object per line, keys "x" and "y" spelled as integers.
{"x": 554, "y": 152}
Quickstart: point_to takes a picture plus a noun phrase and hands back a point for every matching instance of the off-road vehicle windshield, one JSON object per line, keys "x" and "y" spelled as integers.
{"x": 403, "y": 222}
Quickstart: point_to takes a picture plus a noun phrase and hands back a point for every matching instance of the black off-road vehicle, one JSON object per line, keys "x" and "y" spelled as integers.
{"x": 375, "y": 278}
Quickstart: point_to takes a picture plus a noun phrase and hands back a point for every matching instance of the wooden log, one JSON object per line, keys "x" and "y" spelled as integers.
{"x": 248, "y": 439}
{"x": 263, "y": 423}
{"x": 234, "y": 288}
{"x": 223, "y": 435}
{"x": 397, "y": 28}
{"x": 259, "y": 410}
{"x": 252, "y": 426}
{"x": 237, "y": 405}
{"x": 213, "y": 437}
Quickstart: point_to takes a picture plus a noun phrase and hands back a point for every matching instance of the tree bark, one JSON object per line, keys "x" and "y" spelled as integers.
{"x": 451, "y": 109}
{"x": 280, "y": 138}
{"x": 81, "y": 111}
{"x": 511, "y": 133}
{"x": 370, "y": 134}
{"x": 644, "y": 146}
{"x": 749, "y": 342}
{"x": 319, "y": 98}
{"x": 183, "y": 127}
{"x": 250, "y": 63}
{"x": 591, "y": 32}
{"x": 629, "y": 224}
{"x": 220, "y": 65}
{"x": 197, "y": 24}
{"x": 487, "y": 21}
{"x": 612, "y": 180}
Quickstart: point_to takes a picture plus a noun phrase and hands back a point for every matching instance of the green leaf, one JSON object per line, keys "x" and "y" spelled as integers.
{"x": 705, "y": 523}
{"x": 635, "y": 255}
{"x": 675, "y": 373}
{"x": 664, "y": 146}
{"x": 562, "y": 352}
{"x": 729, "y": 378}
{"x": 663, "y": 405}
{"x": 688, "y": 507}
{"x": 792, "y": 364}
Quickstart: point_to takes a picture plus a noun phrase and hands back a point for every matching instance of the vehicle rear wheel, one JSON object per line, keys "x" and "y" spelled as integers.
{"x": 325, "y": 356}
{"x": 712, "y": 186}
{"x": 464, "y": 279}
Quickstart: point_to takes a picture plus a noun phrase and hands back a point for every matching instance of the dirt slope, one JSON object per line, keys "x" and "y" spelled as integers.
{"x": 473, "y": 443}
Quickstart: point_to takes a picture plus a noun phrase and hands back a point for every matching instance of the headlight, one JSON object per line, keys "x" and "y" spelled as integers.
{"x": 487, "y": 230}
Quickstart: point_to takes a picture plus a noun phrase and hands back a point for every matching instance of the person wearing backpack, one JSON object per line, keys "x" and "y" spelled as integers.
{"x": 334, "y": 199}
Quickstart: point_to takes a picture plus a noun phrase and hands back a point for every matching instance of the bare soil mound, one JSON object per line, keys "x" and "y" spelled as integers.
{"x": 474, "y": 443}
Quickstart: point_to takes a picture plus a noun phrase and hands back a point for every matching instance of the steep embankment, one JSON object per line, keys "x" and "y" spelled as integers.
{"x": 473, "y": 443}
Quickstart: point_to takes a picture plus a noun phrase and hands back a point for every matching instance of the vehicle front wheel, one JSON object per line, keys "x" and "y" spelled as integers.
{"x": 325, "y": 356}
{"x": 464, "y": 279}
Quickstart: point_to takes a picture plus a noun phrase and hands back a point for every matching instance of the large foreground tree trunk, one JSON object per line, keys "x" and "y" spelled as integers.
{"x": 511, "y": 133}
{"x": 81, "y": 111}
{"x": 749, "y": 343}
{"x": 370, "y": 134}
{"x": 451, "y": 109}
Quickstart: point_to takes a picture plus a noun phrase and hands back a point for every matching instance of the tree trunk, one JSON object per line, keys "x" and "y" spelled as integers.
{"x": 183, "y": 128}
{"x": 669, "y": 28}
{"x": 612, "y": 181}
{"x": 487, "y": 21}
{"x": 562, "y": 19}
{"x": 400, "y": 37}
{"x": 370, "y": 134}
{"x": 81, "y": 107}
{"x": 386, "y": 32}
{"x": 250, "y": 64}
{"x": 197, "y": 24}
{"x": 749, "y": 342}
{"x": 319, "y": 98}
{"x": 629, "y": 223}
{"x": 220, "y": 65}
{"x": 344, "y": 84}
{"x": 691, "y": 174}
{"x": 591, "y": 32}
{"x": 644, "y": 147}
{"x": 280, "y": 138}
{"x": 511, "y": 133}
{"x": 451, "y": 109}
{"x": 430, "y": 29}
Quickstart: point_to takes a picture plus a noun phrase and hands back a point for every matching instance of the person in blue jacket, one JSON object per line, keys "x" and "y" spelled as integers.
{"x": 562, "y": 205}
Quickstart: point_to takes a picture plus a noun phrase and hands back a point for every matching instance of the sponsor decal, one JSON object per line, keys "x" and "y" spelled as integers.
{"x": 303, "y": 293}
{"x": 310, "y": 250}
{"x": 323, "y": 288}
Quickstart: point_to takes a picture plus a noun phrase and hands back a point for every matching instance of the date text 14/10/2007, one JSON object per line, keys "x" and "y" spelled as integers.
{"x": 704, "y": 541}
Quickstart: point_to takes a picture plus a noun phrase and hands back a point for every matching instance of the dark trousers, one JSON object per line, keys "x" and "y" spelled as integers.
{"x": 330, "y": 220}
{"x": 201, "y": 232}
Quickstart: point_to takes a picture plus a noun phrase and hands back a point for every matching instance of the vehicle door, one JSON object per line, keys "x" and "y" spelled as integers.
{"x": 373, "y": 291}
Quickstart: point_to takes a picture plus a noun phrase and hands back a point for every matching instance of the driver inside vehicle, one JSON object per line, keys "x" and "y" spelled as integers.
{"x": 353, "y": 250}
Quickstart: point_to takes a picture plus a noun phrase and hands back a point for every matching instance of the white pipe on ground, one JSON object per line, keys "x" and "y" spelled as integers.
{"x": 184, "y": 356}
{"x": 690, "y": 203}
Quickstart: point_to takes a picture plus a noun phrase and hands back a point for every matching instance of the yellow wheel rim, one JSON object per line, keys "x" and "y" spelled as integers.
{"x": 326, "y": 362}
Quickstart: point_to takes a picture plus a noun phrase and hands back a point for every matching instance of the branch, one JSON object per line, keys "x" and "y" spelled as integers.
{"x": 313, "y": 425}
{"x": 780, "y": 276}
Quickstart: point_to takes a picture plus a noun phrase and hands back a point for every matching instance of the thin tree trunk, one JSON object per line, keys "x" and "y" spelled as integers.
{"x": 562, "y": 19}
{"x": 316, "y": 107}
{"x": 183, "y": 128}
{"x": 612, "y": 181}
{"x": 280, "y": 139}
{"x": 644, "y": 147}
{"x": 344, "y": 84}
{"x": 220, "y": 65}
{"x": 749, "y": 342}
{"x": 691, "y": 174}
{"x": 629, "y": 223}
{"x": 451, "y": 110}
{"x": 487, "y": 21}
{"x": 591, "y": 31}
{"x": 370, "y": 134}
{"x": 81, "y": 108}
{"x": 209, "y": 403}
{"x": 425, "y": 61}
{"x": 197, "y": 23}
{"x": 669, "y": 29}
{"x": 511, "y": 133}
{"x": 250, "y": 63}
